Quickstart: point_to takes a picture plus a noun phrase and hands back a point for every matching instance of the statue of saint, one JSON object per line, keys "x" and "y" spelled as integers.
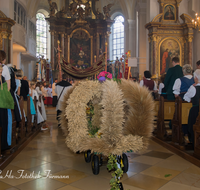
{"x": 87, "y": 9}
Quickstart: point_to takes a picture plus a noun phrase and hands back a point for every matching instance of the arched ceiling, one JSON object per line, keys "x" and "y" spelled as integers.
{"x": 127, "y": 7}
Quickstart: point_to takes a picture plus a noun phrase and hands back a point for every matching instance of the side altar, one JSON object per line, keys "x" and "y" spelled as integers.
{"x": 169, "y": 38}
{"x": 83, "y": 32}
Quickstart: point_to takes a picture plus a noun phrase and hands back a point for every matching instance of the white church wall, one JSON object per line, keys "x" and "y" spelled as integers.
{"x": 196, "y": 48}
{"x": 19, "y": 35}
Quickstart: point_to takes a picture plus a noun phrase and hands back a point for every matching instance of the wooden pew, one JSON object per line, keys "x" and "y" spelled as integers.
{"x": 181, "y": 114}
{"x": 156, "y": 109}
{"x": 22, "y": 129}
{"x": 166, "y": 112}
{"x": 29, "y": 118}
{"x": 196, "y": 128}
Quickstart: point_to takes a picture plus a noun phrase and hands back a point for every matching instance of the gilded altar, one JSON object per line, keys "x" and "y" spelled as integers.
{"x": 6, "y": 35}
{"x": 82, "y": 30}
{"x": 169, "y": 38}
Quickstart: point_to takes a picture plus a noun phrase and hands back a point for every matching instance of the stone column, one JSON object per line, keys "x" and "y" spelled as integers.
{"x": 63, "y": 44}
{"x": 132, "y": 43}
{"x": 5, "y": 45}
{"x": 66, "y": 48}
{"x": 142, "y": 38}
{"x": 108, "y": 45}
{"x": 97, "y": 45}
{"x": 190, "y": 50}
{"x": 154, "y": 56}
{"x": 52, "y": 50}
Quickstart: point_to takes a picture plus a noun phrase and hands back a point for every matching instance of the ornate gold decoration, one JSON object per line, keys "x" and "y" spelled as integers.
{"x": 4, "y": 35}
{"x": 157, "y": 17}
{"x": 186, "y": 18}
{"x": 53, "y": 8}
{"x": 149, "y": 39}
{"x": 190, "y": 38}
{"x": 154, "y": 38}
{"x": 10, "y": 37}
{"x": 1, "y": 42}
{"x": 2, "y": 15}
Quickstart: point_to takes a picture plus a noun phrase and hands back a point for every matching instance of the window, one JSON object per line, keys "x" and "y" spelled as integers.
{"x": 118, "y": 37}
{"x": 41, "y": 35}
{"x": 19, "y": 14}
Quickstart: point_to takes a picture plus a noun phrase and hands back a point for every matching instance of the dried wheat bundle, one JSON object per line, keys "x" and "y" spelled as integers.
{"x": 115, "y": 107}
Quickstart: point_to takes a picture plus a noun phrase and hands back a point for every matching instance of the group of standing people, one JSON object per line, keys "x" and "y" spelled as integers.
{"x": 181, "y": 81}
{"x": 13, "y": 85}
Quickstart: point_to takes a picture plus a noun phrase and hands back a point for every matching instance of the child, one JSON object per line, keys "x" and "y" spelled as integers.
{"x": 38, "y": 89}
{"x": 44, "y": 92}
{"x": 33, "y": 93}
{"x": 49, "y": 95}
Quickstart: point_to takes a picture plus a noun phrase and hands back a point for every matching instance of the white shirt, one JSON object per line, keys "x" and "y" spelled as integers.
{"x": 53, "y": 89}
{"x": 38, "y": 90}
{"x": 6, "y": 73}
{"x": 142, "y": 84}
{"x": 58, "y": 90}
{"x": 44, "y": 91}
{"x": 161, "y": 86}
{"x": 195, "y": 72}
{"x": 34, "y": 93}
{"x": 190, "y": 93}
{"x": 177, "y": 84}
{"x": 49, "y": 92}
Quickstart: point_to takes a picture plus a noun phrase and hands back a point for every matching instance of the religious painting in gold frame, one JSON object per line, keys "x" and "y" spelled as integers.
{"x": 168, "y": 48}
{"x": 80, "y": 48}
{"x": 169, "y": 12}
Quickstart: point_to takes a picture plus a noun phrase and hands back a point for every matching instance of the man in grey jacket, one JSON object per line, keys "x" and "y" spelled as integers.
{"x": 61, "y": 89}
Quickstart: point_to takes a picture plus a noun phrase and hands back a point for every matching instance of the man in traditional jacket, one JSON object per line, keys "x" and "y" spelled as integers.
{"x": 172, "y": 74}
{"x": 61, "y": 89}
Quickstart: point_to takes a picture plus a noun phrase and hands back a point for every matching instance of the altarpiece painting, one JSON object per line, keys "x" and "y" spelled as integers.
{"x": 80, "y": 49}
{"x": 169, "y": 48}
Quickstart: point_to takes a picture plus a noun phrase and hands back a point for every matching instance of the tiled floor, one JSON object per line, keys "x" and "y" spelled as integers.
{"x": 156, "y": 168}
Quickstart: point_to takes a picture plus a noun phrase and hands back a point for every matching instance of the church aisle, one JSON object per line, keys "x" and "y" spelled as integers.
{"x": 156, "y": 168}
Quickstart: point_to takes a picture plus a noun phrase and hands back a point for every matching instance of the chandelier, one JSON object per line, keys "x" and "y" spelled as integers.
{"x": 196, "y": 21}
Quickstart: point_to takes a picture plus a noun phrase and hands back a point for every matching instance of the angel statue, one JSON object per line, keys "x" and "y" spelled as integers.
{"x": 87, "y": 9}
{"x": 53, "y": 8}
{"x": 73, "y": 7}
{"x": 106, "y": 10}
{"x": 99, "y": 15}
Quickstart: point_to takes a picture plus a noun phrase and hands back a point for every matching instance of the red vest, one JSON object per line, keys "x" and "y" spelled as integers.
{"x": 149, "y": 84}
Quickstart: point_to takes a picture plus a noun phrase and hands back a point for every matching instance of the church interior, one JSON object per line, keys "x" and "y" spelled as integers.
{"x": 80, "y": 42}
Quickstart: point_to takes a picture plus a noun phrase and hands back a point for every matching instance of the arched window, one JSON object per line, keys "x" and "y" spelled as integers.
{"x": 118, "y": 37}
{"x": 41, "y": 35}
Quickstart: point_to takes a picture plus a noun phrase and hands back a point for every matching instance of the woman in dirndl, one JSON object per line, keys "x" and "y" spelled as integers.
{"x": 5, "y": 121}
